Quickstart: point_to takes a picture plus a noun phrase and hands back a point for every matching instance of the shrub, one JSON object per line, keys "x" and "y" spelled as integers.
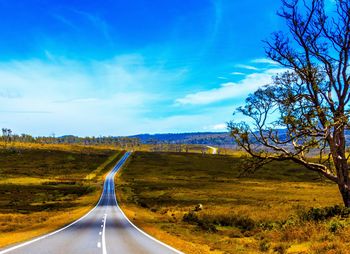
{"x": 270, "y": 225}
{"x": 206, "y": 225}
{"x": 244, "y": 223}
{"x": 190, "y": 217}
{"x": 154, "y": 209}
{"x": 264, "y": 245}
{"x": 143, "y": 204}
{"x": 335, "y": 225}
{"x": 281, "y": 248}
{"x": 321, "y": 214}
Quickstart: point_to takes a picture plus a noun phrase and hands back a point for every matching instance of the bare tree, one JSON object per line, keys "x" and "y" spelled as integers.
{"x": 6, "y": 136}
{"x": 305, "y": 109}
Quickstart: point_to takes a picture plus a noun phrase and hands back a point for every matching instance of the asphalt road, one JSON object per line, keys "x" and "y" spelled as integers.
{"x": 105, "y": 229}
{"x": 214, "y": 149}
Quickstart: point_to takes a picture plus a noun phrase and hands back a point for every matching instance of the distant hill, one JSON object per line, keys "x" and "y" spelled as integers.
{"x": 204, "y": 138}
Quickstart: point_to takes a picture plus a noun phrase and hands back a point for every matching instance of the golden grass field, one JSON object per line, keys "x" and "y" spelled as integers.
{"x": 268, "y": 212}
{"x": 44, "y": 187}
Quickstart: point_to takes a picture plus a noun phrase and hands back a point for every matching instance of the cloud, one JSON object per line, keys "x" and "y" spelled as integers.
{"x": 229, "y": 90}
{"x": 24, "y": 112}
{"x": 247, "y": 67}
{"x": 237, "y": 73}
{"x": 190, "y": 121}
{"x": 109, "y": 97}
{"x": 218, "y": 127}
{"x": 9, "y": 93}
{"x": 117, "y": 96}
{"x": 264, "y": 61}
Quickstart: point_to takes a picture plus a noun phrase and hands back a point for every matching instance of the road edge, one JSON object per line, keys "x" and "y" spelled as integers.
{"x": 132, "y": 224}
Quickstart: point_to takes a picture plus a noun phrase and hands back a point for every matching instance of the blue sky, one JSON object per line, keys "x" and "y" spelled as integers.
{"x": 120, "y": 67}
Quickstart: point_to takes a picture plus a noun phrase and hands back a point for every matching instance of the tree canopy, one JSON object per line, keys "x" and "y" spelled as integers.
{"x": 303, "y": 115}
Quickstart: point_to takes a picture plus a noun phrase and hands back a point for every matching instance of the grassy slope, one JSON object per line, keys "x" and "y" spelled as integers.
{"x": 44, "y": 187}
{"x": 240, "y": 215}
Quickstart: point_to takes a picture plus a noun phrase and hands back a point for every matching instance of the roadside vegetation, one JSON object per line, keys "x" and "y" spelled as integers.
{"x": 198, "y": 204}
{"x": 44, "y": 187}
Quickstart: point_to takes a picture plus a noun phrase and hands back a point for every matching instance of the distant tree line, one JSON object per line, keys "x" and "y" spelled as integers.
{"x": 125, "y": 142}
{"x": 203, "y": 138}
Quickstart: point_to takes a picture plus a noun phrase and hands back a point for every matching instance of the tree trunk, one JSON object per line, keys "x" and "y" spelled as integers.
{"x": 345, "y": 194}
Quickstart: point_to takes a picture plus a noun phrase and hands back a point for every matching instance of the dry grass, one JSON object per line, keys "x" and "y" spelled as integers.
{"x": 44, "y": 187}
{"x": 57, "y": 147}
{"x": 17, "y": 227}
{"x": 257, "y": 214}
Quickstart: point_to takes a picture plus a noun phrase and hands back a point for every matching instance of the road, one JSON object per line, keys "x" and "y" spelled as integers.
{"x": 105, "y": 229}
{"x": 213, "y": 149}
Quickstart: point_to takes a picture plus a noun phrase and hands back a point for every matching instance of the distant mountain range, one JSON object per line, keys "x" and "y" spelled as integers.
{"x": 222, "y": 139}
{"x": 203, "y": 138}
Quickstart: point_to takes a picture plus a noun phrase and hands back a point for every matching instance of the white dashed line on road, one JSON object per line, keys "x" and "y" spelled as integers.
{"x": 104, "y": 251}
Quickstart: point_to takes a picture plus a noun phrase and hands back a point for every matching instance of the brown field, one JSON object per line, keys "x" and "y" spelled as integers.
{"x": 268, "y": 212}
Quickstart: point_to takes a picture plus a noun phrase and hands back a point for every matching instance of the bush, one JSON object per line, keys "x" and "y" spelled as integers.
{"x": 264, "y": 245}
{"x": 335, "y": 225}
{"x": 206, "y": 225}
{"x": 143, "y": 204}
{"x": 191, "y": 218}
{"x": 321, "y": 214}
{"x": 281, "y": 249}
{"x": 242, "y": 222}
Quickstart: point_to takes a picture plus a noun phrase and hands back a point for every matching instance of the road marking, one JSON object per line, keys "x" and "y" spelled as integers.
{"x": 102, "y": 226}
{"x": 100, "y": 233}
{"x": 104, "y": 251}
{"x": 98, "y": 245}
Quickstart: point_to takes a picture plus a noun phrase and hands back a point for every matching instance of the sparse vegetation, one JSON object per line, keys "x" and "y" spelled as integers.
{"x": 44, "y": 187}
{"x": 277, "y": 210}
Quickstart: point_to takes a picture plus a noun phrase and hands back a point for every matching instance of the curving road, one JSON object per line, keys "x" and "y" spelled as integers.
{"x": 213, "y": 149}
{"x": 105, "y": 229}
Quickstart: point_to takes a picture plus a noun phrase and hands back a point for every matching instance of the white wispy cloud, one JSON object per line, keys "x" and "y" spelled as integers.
{"x": 229, "y": 90}
{"x": 237, "y": 73}
{"x": 247, "y": 67}
{"x": 107, "y": 97}
{"x": 264, "y": 61}
{"x": 217, "y": 127}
